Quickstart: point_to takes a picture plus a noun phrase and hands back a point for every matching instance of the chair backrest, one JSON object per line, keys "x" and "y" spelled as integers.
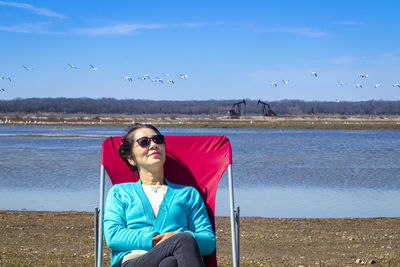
{"x": 198, "y": 161}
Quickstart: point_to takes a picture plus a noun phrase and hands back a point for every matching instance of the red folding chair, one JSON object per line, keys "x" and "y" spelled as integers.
{"x": 198, "y": 161}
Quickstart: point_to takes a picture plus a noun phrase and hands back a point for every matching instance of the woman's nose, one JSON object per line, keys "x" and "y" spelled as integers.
{"x": 152, "y": 144}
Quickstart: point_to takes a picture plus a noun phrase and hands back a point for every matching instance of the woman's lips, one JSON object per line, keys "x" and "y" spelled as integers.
{"x": 155, "y": 154}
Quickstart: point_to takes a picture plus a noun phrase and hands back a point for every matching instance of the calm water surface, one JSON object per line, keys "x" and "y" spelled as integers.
{"x": 277, "y": 173}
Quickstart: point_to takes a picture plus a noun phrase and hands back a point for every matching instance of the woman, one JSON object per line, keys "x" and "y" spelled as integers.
{"x": 154, "y": 222}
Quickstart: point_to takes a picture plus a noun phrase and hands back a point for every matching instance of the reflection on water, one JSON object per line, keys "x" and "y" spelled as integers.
{"x": 277, "y": 173}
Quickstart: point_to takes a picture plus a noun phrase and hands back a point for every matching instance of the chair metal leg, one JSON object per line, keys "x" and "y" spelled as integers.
{"x": 237, "y": 222}
{"x": 96, "y": 234}
{"x": 235, "y": 256}
{"x": 100, "y": 219}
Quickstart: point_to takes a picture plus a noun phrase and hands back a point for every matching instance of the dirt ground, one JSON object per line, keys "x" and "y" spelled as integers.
{"x": 66, "y": 239}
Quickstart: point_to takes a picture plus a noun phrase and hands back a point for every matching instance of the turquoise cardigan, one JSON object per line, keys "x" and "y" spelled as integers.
{"x": 129, "y": 221}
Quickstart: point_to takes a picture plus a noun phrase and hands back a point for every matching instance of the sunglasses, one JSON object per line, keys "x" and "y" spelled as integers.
{"x": 145, "y": 141}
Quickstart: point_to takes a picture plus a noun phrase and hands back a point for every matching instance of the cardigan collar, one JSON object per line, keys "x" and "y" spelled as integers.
{"x": 148, "y": 210}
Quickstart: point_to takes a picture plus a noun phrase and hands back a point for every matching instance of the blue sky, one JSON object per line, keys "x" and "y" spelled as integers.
{"x": 228, "y": 49}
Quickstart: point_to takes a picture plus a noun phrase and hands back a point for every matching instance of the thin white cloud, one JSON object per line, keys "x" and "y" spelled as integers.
{"x": 389, "y": 58}
{"x": 132, "y": 29}
{"x": 113, "y": 28}
{"x": 194, "y": 25}
{"x": 301, "y": 31}
{"x": 121, "y": 29}
{"x": 351, "y": 22}
{"x": 40, "y": 11}
{"x": 200, "y": 24}
{"x": 341, "y": 60}
{"x": 40, "y": 28}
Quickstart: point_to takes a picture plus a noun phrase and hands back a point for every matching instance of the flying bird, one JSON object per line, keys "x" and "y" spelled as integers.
{"x": 128, "y": 79}
{"x": 72, "y": 66}
{"x": 378, "y": 85}
{"x": 2, "y": 89}
{"x": 274, "y": 84}
{"x": 285, "y": 81}
{"x": 341, "y": 83}
{"x": 183, "y": 76}
{"x": 171, "y": 81}
{"x": 94, "y": 68}
{"x": 314, "y": 74}
{"x": 396, "y": 85}
{"x": 361, "y": 75}
{"x": 27, "y": 68}
{"x": 359, "y": 85}
{"x": 144, "y": 77}
{"x": 157, "y": 79}
{"x": 5, "y": 78}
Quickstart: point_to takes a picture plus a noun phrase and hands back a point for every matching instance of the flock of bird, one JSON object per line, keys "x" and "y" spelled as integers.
{"x": 358, "y": 85}
{"x": 147, "y": 77}
{"x": 168, "y": 78}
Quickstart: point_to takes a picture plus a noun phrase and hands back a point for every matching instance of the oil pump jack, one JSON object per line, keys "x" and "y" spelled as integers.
{"x": 267, "y": 111}
{"x": 236, "y": 111}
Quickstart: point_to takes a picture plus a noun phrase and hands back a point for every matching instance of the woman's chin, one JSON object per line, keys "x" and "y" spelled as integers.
{"x": 156, "y": 161}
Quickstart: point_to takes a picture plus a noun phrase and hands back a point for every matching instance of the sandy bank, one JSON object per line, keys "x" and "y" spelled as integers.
{"x": 284, "y": 122}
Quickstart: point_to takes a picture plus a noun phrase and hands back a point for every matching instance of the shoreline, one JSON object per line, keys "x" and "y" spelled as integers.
{"x": 38, "y": 238}
{"x": 355, "y": 122}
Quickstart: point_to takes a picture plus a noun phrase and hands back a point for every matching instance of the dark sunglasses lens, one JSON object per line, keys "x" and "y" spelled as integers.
{"x": 158, "y": 139}
{"x": 143, "y": 142}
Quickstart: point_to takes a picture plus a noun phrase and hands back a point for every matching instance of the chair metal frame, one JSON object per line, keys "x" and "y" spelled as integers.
{"x": 98, "y": 221}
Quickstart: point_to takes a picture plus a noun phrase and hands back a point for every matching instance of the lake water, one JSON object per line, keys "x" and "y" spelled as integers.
{"x": 277, "y": 173}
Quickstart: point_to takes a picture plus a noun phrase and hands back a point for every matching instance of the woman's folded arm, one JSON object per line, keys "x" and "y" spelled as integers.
{"x": 117, "y": 235}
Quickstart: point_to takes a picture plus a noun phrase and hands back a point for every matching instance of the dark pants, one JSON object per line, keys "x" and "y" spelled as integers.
{"x": 178, "y": 250}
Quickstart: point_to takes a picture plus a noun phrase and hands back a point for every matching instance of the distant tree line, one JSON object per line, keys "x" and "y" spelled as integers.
{"x": 195, "y": 107}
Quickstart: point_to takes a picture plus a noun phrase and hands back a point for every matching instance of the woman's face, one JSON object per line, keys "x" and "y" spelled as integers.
{"x": 147, "y": 157}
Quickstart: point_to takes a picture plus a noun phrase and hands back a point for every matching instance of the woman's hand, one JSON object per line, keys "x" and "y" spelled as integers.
{"x": 162, "y": 237}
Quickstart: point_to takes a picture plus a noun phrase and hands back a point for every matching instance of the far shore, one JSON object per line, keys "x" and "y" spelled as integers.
{"x": 356, "y": 122}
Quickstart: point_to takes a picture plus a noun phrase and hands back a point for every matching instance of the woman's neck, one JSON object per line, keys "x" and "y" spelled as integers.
{"x": 151, "y": 178}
